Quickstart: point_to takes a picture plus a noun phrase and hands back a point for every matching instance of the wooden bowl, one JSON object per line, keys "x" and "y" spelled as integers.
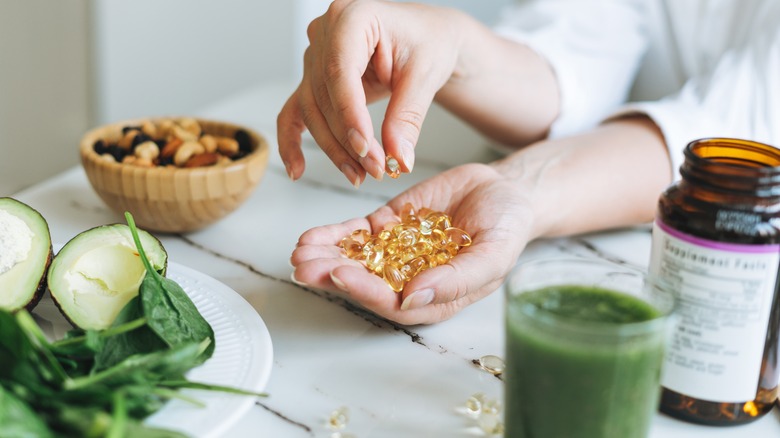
{"x": 171, "y": 199}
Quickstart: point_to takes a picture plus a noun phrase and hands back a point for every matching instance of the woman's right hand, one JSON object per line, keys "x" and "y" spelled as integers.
{"x": 361, "y": 51}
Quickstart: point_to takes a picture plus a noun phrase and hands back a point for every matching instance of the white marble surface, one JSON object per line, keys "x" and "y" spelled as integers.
{"x": 396, "y": 381}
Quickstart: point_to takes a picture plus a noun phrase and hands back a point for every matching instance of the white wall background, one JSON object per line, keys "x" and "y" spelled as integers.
{"x": 44, "y": 88}
{"x": 68, "y": 65}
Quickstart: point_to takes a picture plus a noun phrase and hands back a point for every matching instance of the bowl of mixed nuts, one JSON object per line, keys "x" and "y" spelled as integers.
{"x": 174, "y": 174}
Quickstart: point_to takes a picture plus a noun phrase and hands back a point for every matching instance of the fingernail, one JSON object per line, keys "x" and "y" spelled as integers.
{"x": 351, "y": 174}
{"x": 295, "y": 280}
{"x": 339, "y": 284}
{"x": 357, "y": 142}
{"x": 289, "y": 171}
{"x": 418, "y": 299}
{"x": 407, "y": 154}
{"x": 372, "y": 167}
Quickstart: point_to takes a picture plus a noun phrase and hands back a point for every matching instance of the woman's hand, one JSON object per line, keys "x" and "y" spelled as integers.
{"x": 491, "y": 208}
{"x": 361, "y": 51}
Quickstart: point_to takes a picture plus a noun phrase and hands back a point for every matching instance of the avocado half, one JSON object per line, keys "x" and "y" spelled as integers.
{"x": 97, "y": 272}
{"x": 25, "y": 255}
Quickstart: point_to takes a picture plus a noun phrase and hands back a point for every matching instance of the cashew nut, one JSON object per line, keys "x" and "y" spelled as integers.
{"x": 227, "y": 146}
{"x": 209, "y": 142}
{"x": 149, "y": 129}
{"x": 187, "y": 150}
{"x": 191, "y": 125}
{"x": 183, "y": 134}
{"x": 147, "y": 150}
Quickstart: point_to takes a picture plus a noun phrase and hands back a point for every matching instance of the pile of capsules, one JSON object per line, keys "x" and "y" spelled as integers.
{"x": 421, "y": 240}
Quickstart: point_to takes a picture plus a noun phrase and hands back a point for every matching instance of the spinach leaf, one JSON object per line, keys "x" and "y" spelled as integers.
{"x": 169, "y": 311}
{"x": 18, "y": 419}
{"x": 124, "y": 344}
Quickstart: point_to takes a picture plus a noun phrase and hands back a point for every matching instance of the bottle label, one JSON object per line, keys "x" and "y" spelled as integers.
{"x": 724, "y": 295}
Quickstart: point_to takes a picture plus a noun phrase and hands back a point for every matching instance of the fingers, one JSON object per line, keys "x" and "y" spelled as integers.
{"x": 412, "y": 97}
{"x": 339, "y": 55}
{"x": 433, "y": 296}
{"x": 289, "y": 126}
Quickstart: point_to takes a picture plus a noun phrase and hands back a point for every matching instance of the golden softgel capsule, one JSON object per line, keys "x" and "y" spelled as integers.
{"x": 419, "y": 240}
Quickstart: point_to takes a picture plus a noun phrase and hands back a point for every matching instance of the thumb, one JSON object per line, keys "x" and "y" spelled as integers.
{"x": 468, "y": 275}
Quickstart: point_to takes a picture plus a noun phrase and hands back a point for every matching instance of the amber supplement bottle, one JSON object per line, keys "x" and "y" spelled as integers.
{"x": 716, "y": 241}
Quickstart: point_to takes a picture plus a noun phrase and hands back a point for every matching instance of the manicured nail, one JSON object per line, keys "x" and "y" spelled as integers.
{"x": 407, "y": 154}
{"x": 337, "y": 281}
{"x": 288, "y": 169}
{"x": 418, "y": 299}
{"x": 372, "y": 167}
{"x": 295, "y": 280}
{"x": 357, "y": 142}
{"x": 351, "y": 174}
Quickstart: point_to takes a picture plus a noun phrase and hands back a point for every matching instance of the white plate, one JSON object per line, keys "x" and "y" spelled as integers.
{"x": 242, "y": 358}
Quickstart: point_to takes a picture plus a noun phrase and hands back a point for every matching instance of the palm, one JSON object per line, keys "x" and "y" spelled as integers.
{"x": 478, "y": 200}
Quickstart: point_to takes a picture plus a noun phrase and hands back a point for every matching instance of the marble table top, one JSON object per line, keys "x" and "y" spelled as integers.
{"x": 396, "y": 381}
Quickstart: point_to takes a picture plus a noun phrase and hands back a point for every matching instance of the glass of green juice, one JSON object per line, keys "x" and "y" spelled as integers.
{"x": 585, "y": 341}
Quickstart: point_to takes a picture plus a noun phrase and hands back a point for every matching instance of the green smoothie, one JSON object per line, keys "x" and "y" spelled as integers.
{"x": 581, "y": 362}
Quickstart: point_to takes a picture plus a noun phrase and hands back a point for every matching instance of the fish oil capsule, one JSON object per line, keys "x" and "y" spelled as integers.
{"x": 392, "y": 248}
{"x": 408, "y": 237}
{"x": 452, "y": 248}
{"x": 422, "y": 247}
{"x": 438, "y": 238}
{"x": 374, "y": 256}
{"x": 339, "y": 418}
{"x": 442, "y": 257}
{"x": 409, "y": 216}
{"x": 407, "y": 211}
{"x": 439, "y": 220}
{"x": 393, "y": 277}
{"x": 458, "y": 236}
{"x": 426, "y": 227}
{"x": 424, "y": 212}
{"x": 385, "y": 235}
{"x": 361, "y": 236}
{"x": 413, "y": 267}
{"x": 407, "y": 254}
{"x": 430, "y": 261}
{"x": 352, "y": 247}
{"x": 393, "y": 168}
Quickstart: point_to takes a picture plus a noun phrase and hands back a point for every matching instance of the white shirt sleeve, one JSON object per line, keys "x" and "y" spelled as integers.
{"x": 594, "y": 47}
{"x": 738, "y": 98}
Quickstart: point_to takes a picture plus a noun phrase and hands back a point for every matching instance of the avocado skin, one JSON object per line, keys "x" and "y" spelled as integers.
{"x": 42, "y": 283}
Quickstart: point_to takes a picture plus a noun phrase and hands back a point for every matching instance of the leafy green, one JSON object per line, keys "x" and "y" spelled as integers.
{"x": 18, "y": 419}
{"x": 103, "y": 383}
{"x": 170, "y": 312}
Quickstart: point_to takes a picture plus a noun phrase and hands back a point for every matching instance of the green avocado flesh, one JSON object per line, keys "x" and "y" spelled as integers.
{"x": 25, "y": 254}
{"x": 97, "y": 272}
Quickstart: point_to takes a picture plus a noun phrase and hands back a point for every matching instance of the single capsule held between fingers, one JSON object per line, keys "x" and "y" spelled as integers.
{"x": 393, "y": 168}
